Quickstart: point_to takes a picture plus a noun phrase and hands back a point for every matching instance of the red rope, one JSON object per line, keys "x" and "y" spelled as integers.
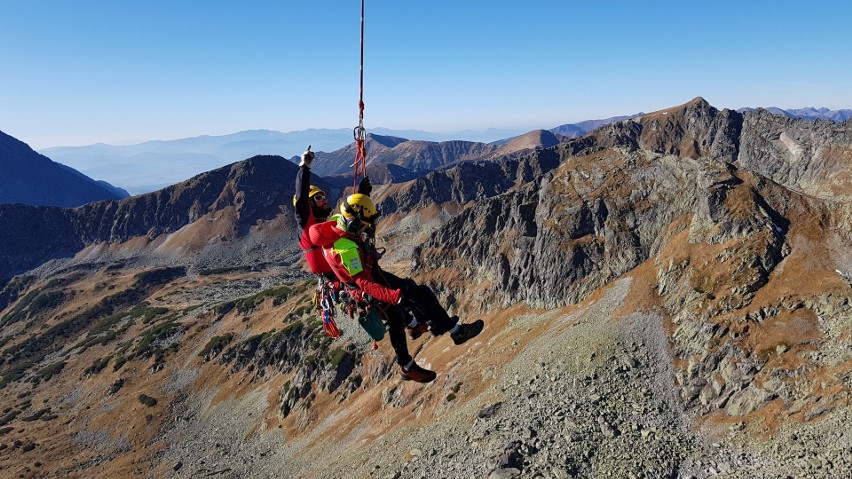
{"x": 359, "y": 132}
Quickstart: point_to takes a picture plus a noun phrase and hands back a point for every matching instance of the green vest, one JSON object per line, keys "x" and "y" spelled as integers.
{"x": 350, "y": 257}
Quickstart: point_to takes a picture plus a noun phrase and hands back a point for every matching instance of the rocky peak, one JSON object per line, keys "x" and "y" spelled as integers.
{"x": 813, "y": 157}
{"x": 694, "y": 129}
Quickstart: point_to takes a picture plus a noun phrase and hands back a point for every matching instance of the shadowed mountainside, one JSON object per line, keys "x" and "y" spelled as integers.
{"x": 206, "y": 211}
{"x": 33, "y": 179}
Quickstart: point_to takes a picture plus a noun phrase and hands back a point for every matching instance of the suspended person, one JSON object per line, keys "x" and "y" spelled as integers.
{"x": 347, "y": 241}
{"x": 312, "y": 207}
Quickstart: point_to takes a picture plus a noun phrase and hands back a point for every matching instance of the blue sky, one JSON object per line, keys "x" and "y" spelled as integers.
{"x": 88, "y": 71}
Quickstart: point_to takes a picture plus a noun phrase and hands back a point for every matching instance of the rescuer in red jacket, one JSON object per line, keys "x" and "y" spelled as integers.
{"x": 312, "y": 207}
{"x": 347, "y": 244}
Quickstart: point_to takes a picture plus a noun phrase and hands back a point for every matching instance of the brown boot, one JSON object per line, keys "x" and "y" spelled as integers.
{"x": 417, "y": 374}
{"x": 417, "y": 331}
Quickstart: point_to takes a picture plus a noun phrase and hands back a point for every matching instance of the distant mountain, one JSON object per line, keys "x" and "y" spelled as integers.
{"x": 152, "y": 165}
{"x": 576, "y": 130}
{"x": 33, "y": 179}
{"x": 530, "y": 141}
{"x": 809, "y": 113}
{"x": 415, "y": 158}
{"x": 480, "y": 136}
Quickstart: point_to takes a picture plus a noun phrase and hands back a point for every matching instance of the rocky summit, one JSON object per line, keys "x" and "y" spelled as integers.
{"x": 667, "y": 296}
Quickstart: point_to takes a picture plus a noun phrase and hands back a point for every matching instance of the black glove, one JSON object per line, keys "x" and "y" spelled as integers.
{"x": 365, "y": 187}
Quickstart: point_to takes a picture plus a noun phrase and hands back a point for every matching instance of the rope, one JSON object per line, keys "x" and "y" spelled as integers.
{"x": 359, "y": 132}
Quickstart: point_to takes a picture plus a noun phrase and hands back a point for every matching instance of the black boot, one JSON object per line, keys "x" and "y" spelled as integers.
{"x": 467, "y": 331}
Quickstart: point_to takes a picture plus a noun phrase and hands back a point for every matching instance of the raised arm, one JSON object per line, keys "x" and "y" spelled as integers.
{"x": 303, "y": 185}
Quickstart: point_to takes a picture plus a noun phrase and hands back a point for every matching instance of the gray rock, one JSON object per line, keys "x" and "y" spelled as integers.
{"x": 506, "y": 473}
{"x": 748, "y": 400}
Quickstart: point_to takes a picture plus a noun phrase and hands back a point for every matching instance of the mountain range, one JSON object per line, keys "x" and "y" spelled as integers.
{"x": 152, "y": 165}
{"x": 810, "y": 113}
{"x": 667, "y": 295}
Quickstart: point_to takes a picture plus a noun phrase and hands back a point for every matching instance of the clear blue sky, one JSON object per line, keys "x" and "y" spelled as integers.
{"x": 86, "y": 71}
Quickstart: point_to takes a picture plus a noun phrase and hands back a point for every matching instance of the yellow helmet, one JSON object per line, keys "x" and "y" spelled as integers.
{"x": 359, "y": 206}
{"x": 313, "y": 190}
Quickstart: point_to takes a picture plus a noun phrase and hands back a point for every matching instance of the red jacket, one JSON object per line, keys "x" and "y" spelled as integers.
{"x": 313, "y": 253}
{"x": 305, "y": 217}
{"x": 352, "y": 262}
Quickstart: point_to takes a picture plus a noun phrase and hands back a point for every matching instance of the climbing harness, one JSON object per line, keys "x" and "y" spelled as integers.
{"x": 360, "y": 134}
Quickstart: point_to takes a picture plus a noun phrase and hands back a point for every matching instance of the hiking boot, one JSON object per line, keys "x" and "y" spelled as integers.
{"x": 418, "y": 374}
{"x": 467, "y": 331}
{"x": 417, "y": 331}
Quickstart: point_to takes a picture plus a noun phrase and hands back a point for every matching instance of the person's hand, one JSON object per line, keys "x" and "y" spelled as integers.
{"x": 307, "y": 157}
{"x": 349, "y": 225}
{"x": 365, "y": 187}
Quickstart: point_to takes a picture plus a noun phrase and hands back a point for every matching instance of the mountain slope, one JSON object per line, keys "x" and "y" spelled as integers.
{"x": 32, "y": 179}
{"x": 210, "y": 214}
{"x": 667, "y": 282}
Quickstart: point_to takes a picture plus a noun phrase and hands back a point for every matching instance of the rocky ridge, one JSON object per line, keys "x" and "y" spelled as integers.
{"x": 200, "y": 214}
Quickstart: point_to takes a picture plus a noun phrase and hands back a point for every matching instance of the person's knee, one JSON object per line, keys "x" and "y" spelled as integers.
{"x": 394, "y": 316}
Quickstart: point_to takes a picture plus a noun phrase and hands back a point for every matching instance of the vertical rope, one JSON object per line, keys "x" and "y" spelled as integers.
{"x": 359, "y": 132}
